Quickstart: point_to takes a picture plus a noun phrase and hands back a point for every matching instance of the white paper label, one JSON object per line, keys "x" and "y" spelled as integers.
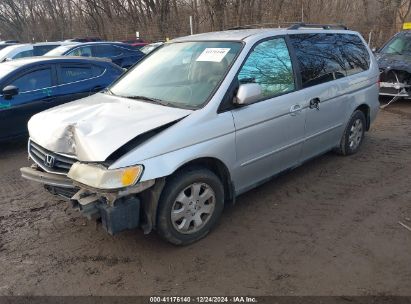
{"x": 213, "y": 54}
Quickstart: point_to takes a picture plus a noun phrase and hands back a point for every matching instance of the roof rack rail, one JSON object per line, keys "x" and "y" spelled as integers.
{"x": 321, "y": 26}
{"x": 241, "y": 27}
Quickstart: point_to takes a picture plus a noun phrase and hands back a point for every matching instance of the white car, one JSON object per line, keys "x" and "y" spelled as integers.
{"x": 28, "y": 50}
{"x": 16, "y": 51}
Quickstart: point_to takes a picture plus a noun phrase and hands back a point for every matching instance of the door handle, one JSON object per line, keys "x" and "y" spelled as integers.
{"x": 315, "y": 103}
{"x": 295, "y": 109}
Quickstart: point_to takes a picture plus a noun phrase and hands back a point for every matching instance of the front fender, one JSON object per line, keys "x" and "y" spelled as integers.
{"x": 221, "y": 148}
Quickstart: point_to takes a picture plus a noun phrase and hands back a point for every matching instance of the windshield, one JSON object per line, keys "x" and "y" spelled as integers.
{"x": 5, "y": 69}
{"x": 179, "y": 74}
{"x": 58, "y": 51}
{"x": 4, "y": 53}
{"x": 398, "y": 45}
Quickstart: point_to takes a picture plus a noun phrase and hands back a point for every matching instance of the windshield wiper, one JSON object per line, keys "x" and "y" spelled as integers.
{"x": 149, "y": 99}
{"x": 107, "y": 90}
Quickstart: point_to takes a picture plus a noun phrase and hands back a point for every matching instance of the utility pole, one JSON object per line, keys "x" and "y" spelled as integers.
{"x": 191, "y": 25}
{"x": 302, "y": 11}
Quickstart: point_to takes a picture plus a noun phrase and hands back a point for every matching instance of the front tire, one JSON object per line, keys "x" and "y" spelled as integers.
{"x": 190, "y": 205}
{"x": 353, "y": 134}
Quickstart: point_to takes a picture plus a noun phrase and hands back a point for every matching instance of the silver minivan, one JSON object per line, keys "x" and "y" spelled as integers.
{"x": 203, "y": 119}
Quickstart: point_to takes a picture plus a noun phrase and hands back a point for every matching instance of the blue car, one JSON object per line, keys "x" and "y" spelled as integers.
{"x": 122, "y": 54}
{"x": 31, "y": 85}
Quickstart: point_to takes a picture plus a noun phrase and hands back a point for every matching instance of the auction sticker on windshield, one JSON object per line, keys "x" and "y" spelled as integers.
{"x": 213, "y": 54}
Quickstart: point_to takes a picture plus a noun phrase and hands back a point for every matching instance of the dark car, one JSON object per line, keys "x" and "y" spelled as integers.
{"x": 394, "y": 61}
{"x": 120, "y": 53}
{"x": 31, "y": 85}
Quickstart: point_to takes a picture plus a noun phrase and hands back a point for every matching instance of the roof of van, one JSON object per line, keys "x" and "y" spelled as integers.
{"x": 236, "y": 35}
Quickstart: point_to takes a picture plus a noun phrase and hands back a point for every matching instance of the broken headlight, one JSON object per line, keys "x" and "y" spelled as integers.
{"x": 97, "y": 176}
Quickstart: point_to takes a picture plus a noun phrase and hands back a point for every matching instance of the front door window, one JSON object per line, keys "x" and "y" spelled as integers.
{"x": 269, "y": 65}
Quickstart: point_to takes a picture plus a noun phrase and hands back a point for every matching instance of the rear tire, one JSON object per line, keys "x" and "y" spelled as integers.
{"x": 190, "y": 205}
{"x": 353, "y": 134}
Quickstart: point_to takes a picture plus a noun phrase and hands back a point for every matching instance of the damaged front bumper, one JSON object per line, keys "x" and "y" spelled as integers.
{"x": 395, "y": 89}
{"x": 34, "y": 174}
{"x": 395, "y": 83}
{"x": 118, "y": 209}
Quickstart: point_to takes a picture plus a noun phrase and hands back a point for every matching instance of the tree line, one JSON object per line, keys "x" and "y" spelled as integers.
{"x": 48, "y": 20}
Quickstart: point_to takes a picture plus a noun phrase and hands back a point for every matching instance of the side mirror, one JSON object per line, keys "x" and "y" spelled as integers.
{"x": 374, "y": 50}
{"x": 248, "y": 93}
{"x": 10, "y": 91}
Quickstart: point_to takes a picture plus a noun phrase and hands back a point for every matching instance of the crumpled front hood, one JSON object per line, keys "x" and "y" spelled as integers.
{"x": 94, "y": 127}
{"x": 394, "y": 62}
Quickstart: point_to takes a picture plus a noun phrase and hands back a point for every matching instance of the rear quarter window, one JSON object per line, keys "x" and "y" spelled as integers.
{"x": 327, "y": 57}
{"x": 98, "y": 70}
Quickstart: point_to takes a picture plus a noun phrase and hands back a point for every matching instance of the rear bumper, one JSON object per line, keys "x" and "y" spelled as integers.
{"x": 46, "y": 178}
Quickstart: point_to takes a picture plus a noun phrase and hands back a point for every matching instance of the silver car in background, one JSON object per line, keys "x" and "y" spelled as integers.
{"x": 202, "y": 120}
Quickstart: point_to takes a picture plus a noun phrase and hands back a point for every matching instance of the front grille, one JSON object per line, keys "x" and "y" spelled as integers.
{"x": 49, "y": 161}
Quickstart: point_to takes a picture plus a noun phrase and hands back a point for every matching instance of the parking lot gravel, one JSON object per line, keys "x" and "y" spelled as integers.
{"x": 329, "y": 227}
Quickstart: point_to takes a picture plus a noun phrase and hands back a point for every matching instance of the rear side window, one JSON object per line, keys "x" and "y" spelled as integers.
{"x": 106, "y": 51}
{"x": 75, "y": 73}
{"x": 35, "y": 80}
{"x": 326, "y": 57}
{"x": 269, "y": 65}
{"x": 355, "y": 54}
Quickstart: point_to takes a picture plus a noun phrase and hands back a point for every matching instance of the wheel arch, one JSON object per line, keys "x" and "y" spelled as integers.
{"x": 366, "y": 111}
{"x": 217, "y": 167}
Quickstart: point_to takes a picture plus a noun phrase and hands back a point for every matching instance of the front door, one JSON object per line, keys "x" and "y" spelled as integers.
{"x": 35, "y": 95}
{"x": 269, "y": 133}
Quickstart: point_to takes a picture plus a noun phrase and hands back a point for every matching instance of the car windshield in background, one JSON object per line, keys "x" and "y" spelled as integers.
{"x": 181, "y": 74}
{"x": 58, "y": 51}
{"x": 400, "y": 45}
{"x": 4, "y": 52}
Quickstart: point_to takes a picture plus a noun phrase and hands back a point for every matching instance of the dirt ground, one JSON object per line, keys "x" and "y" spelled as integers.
{"x": 330, "y": 227}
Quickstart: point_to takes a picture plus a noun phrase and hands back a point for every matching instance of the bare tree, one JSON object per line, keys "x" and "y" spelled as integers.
{"x": 157, "y": 19}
